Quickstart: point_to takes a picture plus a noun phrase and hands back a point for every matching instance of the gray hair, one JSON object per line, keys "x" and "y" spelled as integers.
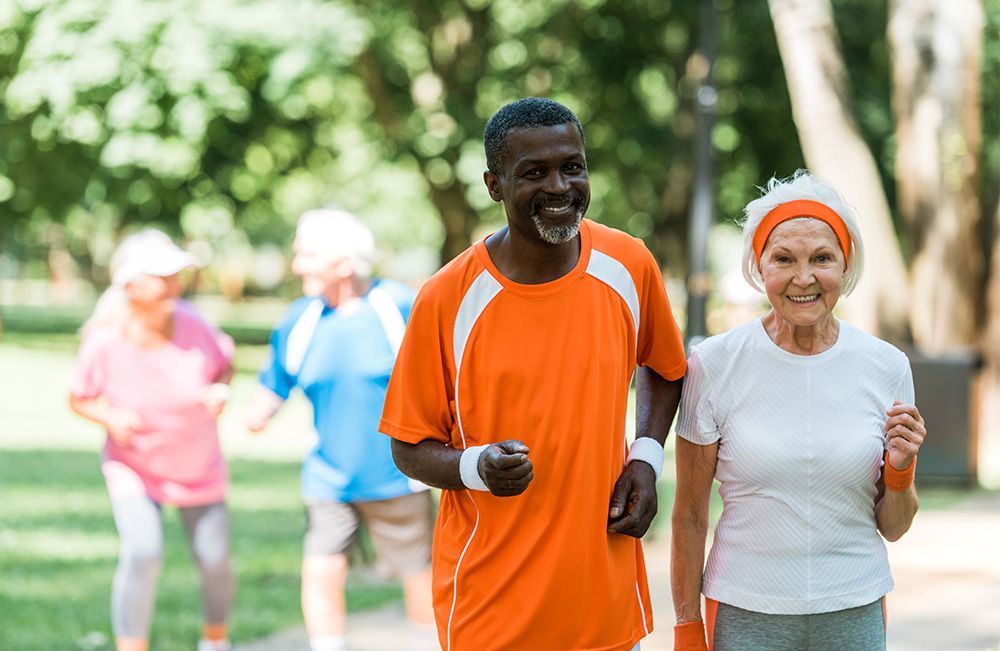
{"x": 339, "y": 234}
{"x": 801, "y": 185}
{"x": 525, "y": 113}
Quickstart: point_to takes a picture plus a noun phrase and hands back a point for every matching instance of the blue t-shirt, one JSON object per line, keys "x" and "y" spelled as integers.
{"x": 344, "y": 374}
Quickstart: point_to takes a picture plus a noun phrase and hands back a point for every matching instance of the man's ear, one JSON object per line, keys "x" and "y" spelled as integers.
{"x": 344, "y": 267}
{"x": 492, "y": 182}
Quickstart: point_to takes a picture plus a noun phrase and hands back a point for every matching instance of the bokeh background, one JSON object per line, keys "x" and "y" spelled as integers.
{"x": 220, "y": 122}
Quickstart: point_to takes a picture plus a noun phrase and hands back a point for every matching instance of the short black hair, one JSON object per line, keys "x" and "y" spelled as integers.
{"x": 524, "y": 113}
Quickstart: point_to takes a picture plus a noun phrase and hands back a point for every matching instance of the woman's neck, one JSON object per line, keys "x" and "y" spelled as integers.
{"x": 148, "y": 329}
{"x": 802, "y": 340}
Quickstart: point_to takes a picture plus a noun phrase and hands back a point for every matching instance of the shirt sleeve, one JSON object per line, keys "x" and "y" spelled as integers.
{"x": 904, "y": 390}
{"x": 697, "y": 421}
{"x": 89, "y": 375}
{"x": 193, "y": 329}
{"x": 418, "y": 403}
{"x": 219, "y": 349}
{"x": 660, "y": 346}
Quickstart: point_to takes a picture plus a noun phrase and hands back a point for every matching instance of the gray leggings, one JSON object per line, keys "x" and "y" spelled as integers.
{"x": 857, "y": 629}
{"x": 140, "y": 528}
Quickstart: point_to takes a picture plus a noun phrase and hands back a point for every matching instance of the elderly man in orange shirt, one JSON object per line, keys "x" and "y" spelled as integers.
{"x": 510, "y": 393}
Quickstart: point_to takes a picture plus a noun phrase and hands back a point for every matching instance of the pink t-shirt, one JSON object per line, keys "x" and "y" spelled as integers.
{"x": 174, "y": 457}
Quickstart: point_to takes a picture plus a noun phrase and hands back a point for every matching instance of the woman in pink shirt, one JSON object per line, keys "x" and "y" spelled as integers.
{"x": 154, "y": 374}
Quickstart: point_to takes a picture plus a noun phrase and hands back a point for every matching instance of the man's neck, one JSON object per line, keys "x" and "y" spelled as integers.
{"x": 345, "y": 290}
{"x": 530, "y": 261}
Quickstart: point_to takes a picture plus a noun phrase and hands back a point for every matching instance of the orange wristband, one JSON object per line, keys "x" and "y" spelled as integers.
{"x": 898, "y": 480}
{"x": 690, "y": 636}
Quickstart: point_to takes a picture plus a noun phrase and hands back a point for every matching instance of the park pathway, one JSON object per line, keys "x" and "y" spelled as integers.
{"x": 947, "y": 596}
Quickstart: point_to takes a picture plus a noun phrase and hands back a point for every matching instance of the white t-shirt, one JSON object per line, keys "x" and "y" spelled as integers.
{"x": 801, "y": 440}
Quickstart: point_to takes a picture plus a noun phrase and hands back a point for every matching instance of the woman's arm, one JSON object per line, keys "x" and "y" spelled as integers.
{"x": 695, "y": 472}
{"x": 121, "y": 424}
{"x": 894, "y": 509}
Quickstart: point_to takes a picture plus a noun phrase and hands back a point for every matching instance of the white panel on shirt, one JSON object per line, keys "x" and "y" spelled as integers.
{"x": 613, "y": 273}
{"x": 800, "y": 444}
{"x": 480, "y": 293}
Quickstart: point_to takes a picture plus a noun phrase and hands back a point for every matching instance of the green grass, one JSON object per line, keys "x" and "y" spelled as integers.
{"x": 58, "y": 544}
{"x": 58, "y": 548}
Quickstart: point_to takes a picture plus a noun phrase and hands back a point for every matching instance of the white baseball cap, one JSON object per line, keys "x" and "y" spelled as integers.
{"x": 148, "y": 253}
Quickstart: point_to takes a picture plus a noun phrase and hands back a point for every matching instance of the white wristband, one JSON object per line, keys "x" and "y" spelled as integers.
{"x": 468, "y": 468}
{"x": 649, "y": 450}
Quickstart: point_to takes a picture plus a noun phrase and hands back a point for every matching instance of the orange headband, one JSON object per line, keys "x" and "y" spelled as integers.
{"x": 802, "y": 208}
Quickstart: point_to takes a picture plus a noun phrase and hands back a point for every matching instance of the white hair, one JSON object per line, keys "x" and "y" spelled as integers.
{"x": 801, "y": 185}
{"x": 338, "y": 234}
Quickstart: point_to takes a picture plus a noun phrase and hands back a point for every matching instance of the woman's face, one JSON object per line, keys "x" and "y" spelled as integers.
{"x": 154, "y": 293}
{"x": 803, "y": 271}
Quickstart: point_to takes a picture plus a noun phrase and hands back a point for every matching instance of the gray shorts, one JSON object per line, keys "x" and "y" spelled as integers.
{"x": 401, "y": 529}
{"x": 857, "y": 629}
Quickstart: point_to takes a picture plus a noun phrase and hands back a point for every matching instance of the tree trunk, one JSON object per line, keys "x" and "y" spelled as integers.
{"x": 989, "y": 386}
{"x": 937, "y": 54}
{"x": 834, "y": 150}
{"x": 455, "y": 217}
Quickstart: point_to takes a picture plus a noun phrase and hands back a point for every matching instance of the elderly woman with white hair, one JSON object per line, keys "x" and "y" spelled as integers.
{"x": 154, "y": 375}
{"x": 809, "y": 426}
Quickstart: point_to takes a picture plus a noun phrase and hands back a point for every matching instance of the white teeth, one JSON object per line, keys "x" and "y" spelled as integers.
{"x": 556, "y": 208}
{"x": 803, "y": 299}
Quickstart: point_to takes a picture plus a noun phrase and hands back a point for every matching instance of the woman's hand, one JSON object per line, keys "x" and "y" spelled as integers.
{"x": 904, "y": 432}
{"x": 215, "y": 397}
{"x": 122, "y": 424}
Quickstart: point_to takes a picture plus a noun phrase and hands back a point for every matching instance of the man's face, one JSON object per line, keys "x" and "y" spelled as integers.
{"x": 544, "y": 184}
{"x": 317, "y": 269}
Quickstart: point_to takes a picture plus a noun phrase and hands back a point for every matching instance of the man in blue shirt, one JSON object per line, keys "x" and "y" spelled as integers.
{"x": 338, "y": 344}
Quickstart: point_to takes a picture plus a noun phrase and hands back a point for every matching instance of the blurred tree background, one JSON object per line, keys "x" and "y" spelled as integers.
{"x": 221, "y": 122}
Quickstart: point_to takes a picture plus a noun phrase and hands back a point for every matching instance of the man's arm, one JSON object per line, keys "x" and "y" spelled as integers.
{"x": 633, "y": 502}
{"x": 504, "y": 466}
{"x": 656, "y": 401}
{"x": 265, "y": 405}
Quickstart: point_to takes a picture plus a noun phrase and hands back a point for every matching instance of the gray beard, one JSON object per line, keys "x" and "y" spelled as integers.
{"x": 557, "y": 234}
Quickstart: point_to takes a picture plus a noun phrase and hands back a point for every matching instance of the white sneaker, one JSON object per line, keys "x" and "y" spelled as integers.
{"x": 214, "y": 645}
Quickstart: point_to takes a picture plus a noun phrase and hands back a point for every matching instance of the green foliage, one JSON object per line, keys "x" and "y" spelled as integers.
{"x": 219, "y": 121}
{"x": 222, "y": 121}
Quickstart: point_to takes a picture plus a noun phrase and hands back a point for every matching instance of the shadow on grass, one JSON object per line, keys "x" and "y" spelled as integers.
{"x": 58, "y": 549}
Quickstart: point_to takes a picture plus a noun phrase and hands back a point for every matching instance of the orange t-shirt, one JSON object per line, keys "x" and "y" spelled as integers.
{"x": 486, "y": 359}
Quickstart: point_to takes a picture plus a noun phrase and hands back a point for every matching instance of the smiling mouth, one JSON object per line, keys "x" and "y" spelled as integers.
{"x": 556, "y": 207}
{"x": 809, "y": 298}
